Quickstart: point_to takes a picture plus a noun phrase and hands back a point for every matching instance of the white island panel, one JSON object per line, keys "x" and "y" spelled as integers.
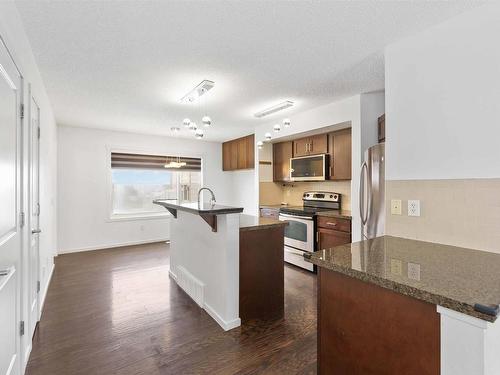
{"x": 211, "y": 260}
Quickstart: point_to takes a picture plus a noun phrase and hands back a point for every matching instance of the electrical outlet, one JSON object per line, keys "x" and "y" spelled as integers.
{"x": 414, "y": 271}
{"x": 396, "y": 267}
{"x": 413, "y": 208}
{"x": 396, "y": 206}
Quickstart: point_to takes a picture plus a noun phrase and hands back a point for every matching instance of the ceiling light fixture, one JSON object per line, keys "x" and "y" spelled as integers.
{"x": 207, "y": 121}
{"x": 275, "y": 108}
{"x": 192, "y": 126}
{"x": 186, "y": 122}
{"x": 260, "y": 144}
{"x": 175, "y": 129}
{"x": 199, "y": 133}
{"x": 277, "y": 128}
{"x": 268, "y": 137}
{"x": 286, "y": 123}
{"x": 202, "y": 88}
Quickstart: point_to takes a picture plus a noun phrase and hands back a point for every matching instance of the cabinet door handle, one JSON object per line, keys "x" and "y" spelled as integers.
{"x": 317, "y": 237}
{"x": 331, "y": 223}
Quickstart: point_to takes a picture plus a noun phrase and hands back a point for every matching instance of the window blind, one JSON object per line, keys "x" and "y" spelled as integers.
{"x": 122, "y": 160}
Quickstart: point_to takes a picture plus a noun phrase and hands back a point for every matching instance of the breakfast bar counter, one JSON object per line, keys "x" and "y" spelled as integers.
{"x": 232, "y": 267}
{"x": 407, "y": 306}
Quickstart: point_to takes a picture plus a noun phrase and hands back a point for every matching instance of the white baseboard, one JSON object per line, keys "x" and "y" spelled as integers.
{"x": 49, "y": 279}
{"x": 27, "y": 356}
{"x": 172, "y": 275}
{"x": 102, "y": 247}
{"x": 226, "y": 325}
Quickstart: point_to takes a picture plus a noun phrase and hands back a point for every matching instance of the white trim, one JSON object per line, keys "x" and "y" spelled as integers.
{"x": 172, "y": 275}
{"x": 110, "y": 246}
{"x": 462, "y": 317}
{"x": 226, "y": 326}
{"x": 49, "y": 279}
{"x": 27, "y": 355}
{"x": 139, "y": 216}
{"x": 11, "y": 365}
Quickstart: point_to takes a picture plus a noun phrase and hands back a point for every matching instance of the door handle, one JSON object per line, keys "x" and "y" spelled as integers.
{"x": 362, "y": 207}
{"x": 36, "y": 231}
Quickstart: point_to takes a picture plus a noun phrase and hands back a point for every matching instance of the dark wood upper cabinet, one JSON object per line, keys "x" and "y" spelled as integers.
{"x": 282, "y": 153}
{"x": 339, "y": 145}
{"x": 317, "y": 144}
{"x": 238, "y": 154}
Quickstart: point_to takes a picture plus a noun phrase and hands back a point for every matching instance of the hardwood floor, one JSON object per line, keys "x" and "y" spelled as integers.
{"x": 116, "y": 311}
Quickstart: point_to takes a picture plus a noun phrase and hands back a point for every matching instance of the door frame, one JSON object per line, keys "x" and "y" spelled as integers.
{"x": 32, "y": 274}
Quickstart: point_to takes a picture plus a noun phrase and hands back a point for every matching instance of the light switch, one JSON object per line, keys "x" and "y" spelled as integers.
{"x": 396, "y": 206}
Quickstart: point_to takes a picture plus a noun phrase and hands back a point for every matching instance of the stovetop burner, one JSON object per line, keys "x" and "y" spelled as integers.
{"x": 314, "y": 201}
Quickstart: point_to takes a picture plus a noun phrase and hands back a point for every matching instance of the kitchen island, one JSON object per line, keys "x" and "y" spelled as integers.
{"x": 397, "y": 306}
{"x": 216, "y": 257}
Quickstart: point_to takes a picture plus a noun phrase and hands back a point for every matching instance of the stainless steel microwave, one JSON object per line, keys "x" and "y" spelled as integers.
{"x": 309, "y": 168}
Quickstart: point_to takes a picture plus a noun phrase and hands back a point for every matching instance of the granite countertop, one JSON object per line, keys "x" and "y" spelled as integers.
{"x": 203, "y": 208}
{"x": 453, "y": 277}
{"x": 251, "y": 222}
{"x": 341, "y": 214}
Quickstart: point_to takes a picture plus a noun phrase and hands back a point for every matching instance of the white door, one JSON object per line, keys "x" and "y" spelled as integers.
{"x": 10, "y": 222}
{"x": 34, "y": 212}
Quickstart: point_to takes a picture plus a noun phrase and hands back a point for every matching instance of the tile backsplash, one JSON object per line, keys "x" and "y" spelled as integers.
{"x": 462, "y": 212}
{"x": 291, "y": 193}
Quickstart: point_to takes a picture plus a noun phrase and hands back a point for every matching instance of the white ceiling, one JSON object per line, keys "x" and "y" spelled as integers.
{"x": 125, "y": 65}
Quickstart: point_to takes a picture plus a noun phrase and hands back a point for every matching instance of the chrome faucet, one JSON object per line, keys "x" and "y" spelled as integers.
{"x": 212, "y": 201}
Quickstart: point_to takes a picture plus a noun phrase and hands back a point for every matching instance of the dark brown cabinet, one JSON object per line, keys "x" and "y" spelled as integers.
{"x": 282, "y": 153}
{"x": 333, "y": 232}
{"x": 238, "y": 154}
{"x": 339, "y": 145}
{"x": 317, "y": 144}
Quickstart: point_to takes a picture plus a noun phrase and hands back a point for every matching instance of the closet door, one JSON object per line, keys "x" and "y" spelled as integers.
{"x": 10, "y": 226}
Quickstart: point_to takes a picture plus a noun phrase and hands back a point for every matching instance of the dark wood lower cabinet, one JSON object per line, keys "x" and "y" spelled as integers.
{"x": 365, "y": 329}
{"x": 262, "y": 285}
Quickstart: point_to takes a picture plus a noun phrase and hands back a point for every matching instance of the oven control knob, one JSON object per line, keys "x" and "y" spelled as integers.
{"x": 335, "y": 196}
{"x": 331, "y": 196}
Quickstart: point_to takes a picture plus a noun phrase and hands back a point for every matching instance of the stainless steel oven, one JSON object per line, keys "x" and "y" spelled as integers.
{"x": 299, "y": 238}
{"x": 309, "y": 168}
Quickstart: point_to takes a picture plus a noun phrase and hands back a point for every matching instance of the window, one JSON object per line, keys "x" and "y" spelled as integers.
{"x": 137, "y": 180}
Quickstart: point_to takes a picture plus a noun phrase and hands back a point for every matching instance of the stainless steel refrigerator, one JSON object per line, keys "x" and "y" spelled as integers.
{"x": 372, "y": 192}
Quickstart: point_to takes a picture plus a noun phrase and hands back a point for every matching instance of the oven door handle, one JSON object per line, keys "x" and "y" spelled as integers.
{"x": 296, "y": 217}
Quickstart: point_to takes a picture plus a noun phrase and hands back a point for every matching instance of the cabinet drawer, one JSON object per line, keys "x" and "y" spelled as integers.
{"x": 343, "y": 225}
{"x": 272, "y": 213}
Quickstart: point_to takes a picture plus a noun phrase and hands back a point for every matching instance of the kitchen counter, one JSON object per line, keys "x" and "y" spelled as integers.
{"x": 202, "y": 208}
{"x": 341, "y": 214}
{"x": 453, "y": 277}
{"x": 251, "y": 222}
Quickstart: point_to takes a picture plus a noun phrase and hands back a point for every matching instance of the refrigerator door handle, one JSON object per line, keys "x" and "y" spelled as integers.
{"x": 362, "y": 208}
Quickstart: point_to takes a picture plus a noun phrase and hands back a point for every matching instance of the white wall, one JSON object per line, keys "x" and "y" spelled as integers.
{"x": 83, "y": 182}
{"x": 372, "y": 107}
{"x": 442, "y": 97}
{"x": 12, "y": 32}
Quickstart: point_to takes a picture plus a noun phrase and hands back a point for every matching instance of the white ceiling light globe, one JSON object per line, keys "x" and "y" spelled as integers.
{"x": 207, "y": 121}
{"x": 277, "y": 128}
{"x": 286, "y": 122}
{"x": 199, "y": 133}
{"x": 186, "y": 122}
{"x": 268, "y": 137}
{"x": 260, "y": 144}
{"x": 192, "y": 126}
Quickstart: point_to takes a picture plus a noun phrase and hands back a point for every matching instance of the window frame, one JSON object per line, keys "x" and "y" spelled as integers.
{"x": 111, "y": 217}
